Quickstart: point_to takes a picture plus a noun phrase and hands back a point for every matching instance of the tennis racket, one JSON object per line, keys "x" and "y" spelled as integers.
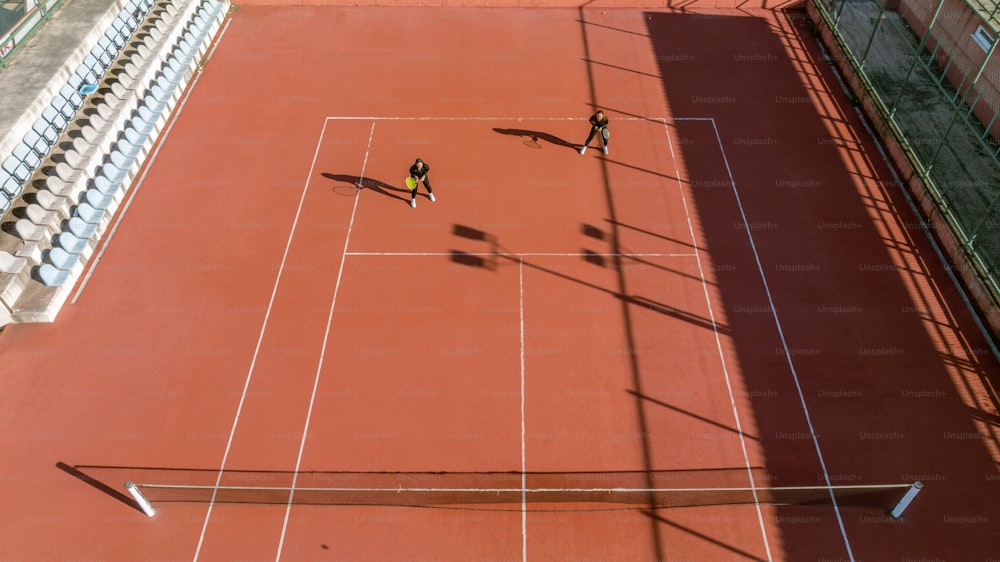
{"x": 606, "y": 133}
{"x": 411, "y": 183}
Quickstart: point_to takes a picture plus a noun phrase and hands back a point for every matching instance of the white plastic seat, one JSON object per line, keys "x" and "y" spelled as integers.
{"x": 60, "y": 187}
{"x": 116, "y": 38}
{"x": 52, "y": 276}
{"x": 123, "y": 79}
{"x": 162, "y": 89}
{"x": 9, "y": 186}
{"x": 45, "y": 130}
{"x": 124, "y": 24}
{"x": 40, "y": 216}
{"x": 98, "y": 199}
{"x": 80, "y": 228}
{"x": 71, "y": 243}
{"x": 89, "y": 213}
{"x": 97, "y": 122}
{"x": 74, "y": 81}
{"x": 120, "y": 91}
{"x": 150, "y": 120}
{"x": 29, "y": 231}
{"x": 50, "y": 201}
{"x": 156, "y": 98}
{"x": 121, "y": 161}
{"x": 82, "y": 145}
{"x": 132, "y": 70}
{"x": 186, "y": 49}
{"x": 17, "y": 169}
{"x": 54, "y": 118}
{"x": 173, "y": 73}
{"x": 62, "y": 259}
{"x": 128, "y": 149}
{"x": 85, "y": 75}
{"x": 67, "y": 173}
{"x": 105, "y": 52}
{"x": 106, "y": 111}
{"x": 144, "y": 51}
{"x": 26, "y": 155}
{"x": 37, "y": 144}
{"x": 134, "y": 137}
{"x": 70, "y": 95}
{"x": 90, "y": 135}
{"x": 76, "y": 159}
{"x": 91, "y": 64}
{"x": 106, "y": 186}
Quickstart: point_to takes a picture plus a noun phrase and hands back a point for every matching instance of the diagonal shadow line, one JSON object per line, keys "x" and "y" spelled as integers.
{"x": 630, "y": 32}
{"x": 647, "y": 456}
{"x": 641, "y": 169}
{"x": 677, "y": 313}
{"x": 657, "y": 120}
{"x": 660, "y": 519}
{"x": 653, "y": 234}
{"x": 648, "y": 263}
{"x": 98, "y": 485}
{"x": 691, "y": 414}
{"x": 683, "y": 5}
{"x": 616, "y": 67}
{"x": 626, "y": 300}
{"x": 983, "y": 416}
{"x": 477, "y": 261}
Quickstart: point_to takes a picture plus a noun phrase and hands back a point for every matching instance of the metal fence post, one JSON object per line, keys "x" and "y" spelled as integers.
{"x": 916, "y": 56}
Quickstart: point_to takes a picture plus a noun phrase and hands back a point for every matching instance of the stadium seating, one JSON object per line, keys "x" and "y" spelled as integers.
{"x": 82, "y": 152}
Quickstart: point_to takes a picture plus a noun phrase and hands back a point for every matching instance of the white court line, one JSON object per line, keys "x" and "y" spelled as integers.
{"x": 326, "y": 339}
{"x": 520, "y": 254}
{"x": 718, "y": 344}
{"x": 420, "y": 118}
{"x": 524, "y": 465}
{"x": 784, "y": 343}
{"x": 260, "y": 340}
{"x": 148, "y": 165}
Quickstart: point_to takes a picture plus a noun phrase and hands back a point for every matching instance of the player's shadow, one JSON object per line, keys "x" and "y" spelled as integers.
{"x": 368, "y": 183}
{"x": 532, "y": 137}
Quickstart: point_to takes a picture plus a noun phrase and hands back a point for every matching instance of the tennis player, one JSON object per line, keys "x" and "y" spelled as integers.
{"x": 418, "y": 171}
{"x": 598, "y": 122}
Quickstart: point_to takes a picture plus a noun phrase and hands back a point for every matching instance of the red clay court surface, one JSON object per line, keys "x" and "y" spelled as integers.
{"x": 737, "y": 290}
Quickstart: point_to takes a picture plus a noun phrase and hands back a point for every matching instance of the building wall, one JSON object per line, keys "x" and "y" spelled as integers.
{"x": 951, "y": 35}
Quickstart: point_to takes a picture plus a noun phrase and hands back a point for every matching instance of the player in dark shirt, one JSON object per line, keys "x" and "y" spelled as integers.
{"x": 418, "y": 171}
{"x": 598, "y": 122}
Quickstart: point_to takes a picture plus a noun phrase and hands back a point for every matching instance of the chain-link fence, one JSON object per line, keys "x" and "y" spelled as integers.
{"x": 932, "y": 69}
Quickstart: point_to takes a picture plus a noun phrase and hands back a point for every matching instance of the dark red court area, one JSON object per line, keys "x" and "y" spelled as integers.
{"x": 737, "y": 295}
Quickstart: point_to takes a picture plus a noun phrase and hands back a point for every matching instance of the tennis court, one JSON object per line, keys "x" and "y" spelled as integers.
{"x": 295, "y": 364}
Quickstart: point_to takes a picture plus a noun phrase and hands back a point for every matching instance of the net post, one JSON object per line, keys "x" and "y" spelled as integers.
{"x": 144, "y": 504}
{"x": 897, "y": 511}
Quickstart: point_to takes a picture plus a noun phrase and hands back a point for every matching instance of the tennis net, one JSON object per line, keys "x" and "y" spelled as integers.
{"x": 493, "y": 491}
